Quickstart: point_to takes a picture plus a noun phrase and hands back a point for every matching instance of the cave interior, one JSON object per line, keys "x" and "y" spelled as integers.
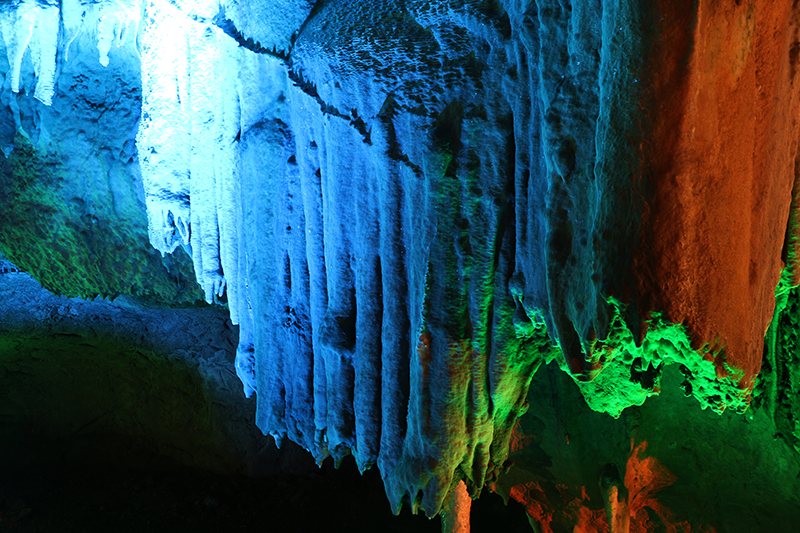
{"x": 400, "y": 265}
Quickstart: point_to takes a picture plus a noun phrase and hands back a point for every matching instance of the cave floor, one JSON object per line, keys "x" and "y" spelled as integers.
{"x": 92, "y": 499}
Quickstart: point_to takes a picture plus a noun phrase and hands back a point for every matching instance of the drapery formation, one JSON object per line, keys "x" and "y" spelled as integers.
{"x": 409, "y": 205}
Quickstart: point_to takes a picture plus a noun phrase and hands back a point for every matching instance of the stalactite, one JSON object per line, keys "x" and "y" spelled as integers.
{"x": 406, "y": 206}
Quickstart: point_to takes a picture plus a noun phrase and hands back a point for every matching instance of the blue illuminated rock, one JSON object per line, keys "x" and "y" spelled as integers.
{"x": 71, "y": 195}
{"x": 409, "y": 206}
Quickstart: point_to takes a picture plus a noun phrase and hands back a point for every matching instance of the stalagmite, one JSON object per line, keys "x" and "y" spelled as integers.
{"x": 456, "y": 518}
{"x": 615, "y": 500}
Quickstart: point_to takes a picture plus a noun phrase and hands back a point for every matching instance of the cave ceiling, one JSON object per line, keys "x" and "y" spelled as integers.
{"x": 451, "y": 234}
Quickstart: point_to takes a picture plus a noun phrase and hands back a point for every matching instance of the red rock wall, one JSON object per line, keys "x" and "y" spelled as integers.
{"x": 723, "y": 158}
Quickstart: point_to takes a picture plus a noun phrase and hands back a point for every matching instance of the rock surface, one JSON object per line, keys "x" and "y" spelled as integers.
{"x": 71, "y": 197}
{"x": 110, "y": 382}
{"x": 410, "y": 206}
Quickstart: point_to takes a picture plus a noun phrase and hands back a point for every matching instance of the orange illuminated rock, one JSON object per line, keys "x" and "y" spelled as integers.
{"x": 723, "y": 156}
{"x": 631, "y": 505}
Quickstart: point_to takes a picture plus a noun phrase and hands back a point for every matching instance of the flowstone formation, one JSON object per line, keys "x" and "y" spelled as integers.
{"x": 409, "y": 206}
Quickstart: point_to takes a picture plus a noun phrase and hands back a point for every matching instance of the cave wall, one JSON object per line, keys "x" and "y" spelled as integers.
{"x": 114, "y": 384}
{"x": 71, "y": 192}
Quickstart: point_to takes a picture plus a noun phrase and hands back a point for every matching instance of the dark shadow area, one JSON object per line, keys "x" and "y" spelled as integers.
{"x": 100, "y": 434}
{"x": 72, "y": 498}
{"x": 89, "y": 499}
